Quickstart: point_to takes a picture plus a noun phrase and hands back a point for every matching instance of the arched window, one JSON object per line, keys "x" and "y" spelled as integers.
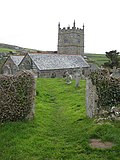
{"x": 53, "y": 75}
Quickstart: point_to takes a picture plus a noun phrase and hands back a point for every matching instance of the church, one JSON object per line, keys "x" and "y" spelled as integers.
{"x": 69, "y": 56}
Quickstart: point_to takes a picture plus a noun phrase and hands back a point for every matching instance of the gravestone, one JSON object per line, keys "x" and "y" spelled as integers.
{"x": 116, "y": 73}
{"x": 68, "y": 77}
{"x": 78, "y": 75}
{"x": 91, "y": 99}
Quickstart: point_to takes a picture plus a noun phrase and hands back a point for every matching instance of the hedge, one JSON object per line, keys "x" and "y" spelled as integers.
{"x": 108, "y": 89}
{"x": 17, "y": 94}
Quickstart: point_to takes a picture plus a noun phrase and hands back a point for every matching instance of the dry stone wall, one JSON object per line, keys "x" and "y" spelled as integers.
{"x": 102, "y": 93}
{"x": 17, "y": 94}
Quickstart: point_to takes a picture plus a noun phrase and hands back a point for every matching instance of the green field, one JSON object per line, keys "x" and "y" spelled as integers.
{"x": 60, "y": 130}
{"x": 7, "y": 50}
{"x": 98, "y": 59}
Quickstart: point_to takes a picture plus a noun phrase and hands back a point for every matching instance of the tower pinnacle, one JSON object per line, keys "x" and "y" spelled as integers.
{"x": 74, "y": 24}
{"x": 83, "y": 26}
{"x": 59, "y": 25}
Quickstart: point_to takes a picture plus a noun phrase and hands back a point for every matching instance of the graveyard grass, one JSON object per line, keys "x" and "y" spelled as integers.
{"x": 60, "y": 130}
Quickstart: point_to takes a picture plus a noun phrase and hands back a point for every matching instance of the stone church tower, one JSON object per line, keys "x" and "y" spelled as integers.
{"x": 71, "y": 40}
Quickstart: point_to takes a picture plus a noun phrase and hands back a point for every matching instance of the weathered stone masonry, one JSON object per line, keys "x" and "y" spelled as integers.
{"x": 91, "y": 98}
{"x": 71, "y": 40}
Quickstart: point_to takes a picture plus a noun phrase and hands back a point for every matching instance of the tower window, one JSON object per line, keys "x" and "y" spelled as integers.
{"x": 78, "y": 36}
{"x": 65, "y": 40}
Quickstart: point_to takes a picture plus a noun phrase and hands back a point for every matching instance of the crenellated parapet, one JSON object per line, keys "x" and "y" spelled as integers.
{"x": 70, "y": 29}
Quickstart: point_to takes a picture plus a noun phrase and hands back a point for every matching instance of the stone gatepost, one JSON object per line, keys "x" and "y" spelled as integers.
{"x": 91, "y": 99}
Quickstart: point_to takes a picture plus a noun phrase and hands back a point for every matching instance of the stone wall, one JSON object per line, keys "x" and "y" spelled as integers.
{"x": 57, "y": 72}
{"x": 68, "y": 49}
{"x": 17, "y": 94}
{"x": 60, "y": 72}
{"x": 28, "y": 64}
{"x": 9, "y": 67}
{"x": 102, "y": 92}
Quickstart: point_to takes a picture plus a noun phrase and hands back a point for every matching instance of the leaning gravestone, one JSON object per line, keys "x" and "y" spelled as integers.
{"x": 17, "y": 94}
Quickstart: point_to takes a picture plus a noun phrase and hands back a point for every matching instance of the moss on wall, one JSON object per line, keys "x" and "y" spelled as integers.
{"x": 108, "y": 89}
{"x": 17, "y": 95}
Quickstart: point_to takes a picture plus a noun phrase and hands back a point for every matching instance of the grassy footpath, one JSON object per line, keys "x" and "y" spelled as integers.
{"x": 60, "y": 130}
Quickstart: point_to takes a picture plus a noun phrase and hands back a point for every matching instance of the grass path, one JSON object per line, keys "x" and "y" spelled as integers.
{"x": 61, "y": 115}
{"x": 60, "y": 130}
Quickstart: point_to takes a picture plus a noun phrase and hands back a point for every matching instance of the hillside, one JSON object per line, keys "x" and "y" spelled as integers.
{"x": 98, "y": 59}
{"x": 6, "y": 48}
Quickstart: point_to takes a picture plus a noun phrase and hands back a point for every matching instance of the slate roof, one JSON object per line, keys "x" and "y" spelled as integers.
{"x": 17, "y": 59}
{"x": 58, "y": 61}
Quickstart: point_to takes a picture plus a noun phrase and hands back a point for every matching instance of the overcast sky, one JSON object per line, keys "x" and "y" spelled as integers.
{"x": 34, "y": 23}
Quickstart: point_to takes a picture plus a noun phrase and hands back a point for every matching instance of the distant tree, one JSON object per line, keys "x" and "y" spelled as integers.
{"x": 113, "y": 57}
{"x": 11, "y": 53}
{"x": 39, "y": 51}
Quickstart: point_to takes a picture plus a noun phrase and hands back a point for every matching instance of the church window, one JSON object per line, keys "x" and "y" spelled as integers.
{"x": 65, "y": 40}
{"x": 78, "y": 36}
